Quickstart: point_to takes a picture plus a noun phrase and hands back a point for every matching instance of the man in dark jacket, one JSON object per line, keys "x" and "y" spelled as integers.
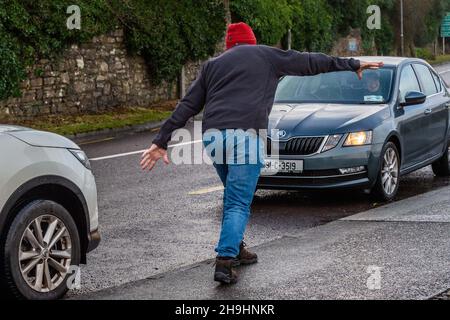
{"x": 236, "y": 90}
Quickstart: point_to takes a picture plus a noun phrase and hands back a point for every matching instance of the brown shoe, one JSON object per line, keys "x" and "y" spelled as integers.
{"x": 225, "y": 272}
{"x": 245, "y": 256}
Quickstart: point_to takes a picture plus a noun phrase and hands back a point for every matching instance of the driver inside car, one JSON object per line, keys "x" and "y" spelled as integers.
{"x": 373, "y": 84}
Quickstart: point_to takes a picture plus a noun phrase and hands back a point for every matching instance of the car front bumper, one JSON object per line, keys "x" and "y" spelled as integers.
{"x": 321, "y": 171}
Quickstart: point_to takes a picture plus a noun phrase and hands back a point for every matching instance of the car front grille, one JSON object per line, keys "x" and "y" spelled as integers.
{"x": 298, "y": 146}
{"x": 302, "y": 146}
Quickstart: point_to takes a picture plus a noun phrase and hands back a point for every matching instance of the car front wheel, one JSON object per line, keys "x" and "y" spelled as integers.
{"x": 388, "y": 179}
{"x": 41, "y": 246}
{"x": 441, "y": 167}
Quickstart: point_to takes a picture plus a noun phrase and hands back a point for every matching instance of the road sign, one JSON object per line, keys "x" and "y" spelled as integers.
{"x": 445, "y": 26}
{"x": 352, "y": 45}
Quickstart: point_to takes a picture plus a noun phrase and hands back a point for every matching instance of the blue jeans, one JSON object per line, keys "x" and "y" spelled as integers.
{"x": 238, "y": 162}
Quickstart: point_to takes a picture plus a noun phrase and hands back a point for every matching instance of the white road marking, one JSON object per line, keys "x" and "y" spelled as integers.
{"x": 206, "y": 190}
{"x": 184, "y": 143}
{"x": 446, "y": 71}
{"x": 118, "y": 155}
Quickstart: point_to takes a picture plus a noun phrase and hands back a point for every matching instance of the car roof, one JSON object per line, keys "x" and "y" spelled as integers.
{"x": 9, "y": 128}
{"x": 389, "y": 61}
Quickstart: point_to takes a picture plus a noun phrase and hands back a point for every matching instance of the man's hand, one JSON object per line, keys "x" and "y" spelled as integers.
{"x": 152, "y": 155}
{"x": 368, "y": 65}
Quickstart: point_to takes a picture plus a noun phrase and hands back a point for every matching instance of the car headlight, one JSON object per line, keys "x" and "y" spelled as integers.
{"x": 358, "y": 138}
{"x": 332, "y": 142}
{"x": 82, "y": 157}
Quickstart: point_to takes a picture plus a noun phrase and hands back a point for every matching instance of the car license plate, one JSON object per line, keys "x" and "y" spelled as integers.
{"x": 282, "y": 166}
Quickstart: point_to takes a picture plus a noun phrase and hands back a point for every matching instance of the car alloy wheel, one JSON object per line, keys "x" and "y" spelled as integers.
{"x": 42, "y": 249}
{"x": 390, "y": 171}
{"x": 45, "y": 253}
{"x": 388, "y": 174}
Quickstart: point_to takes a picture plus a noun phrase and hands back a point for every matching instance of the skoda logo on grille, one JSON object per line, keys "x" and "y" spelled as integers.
{"x": 282, "y": 133}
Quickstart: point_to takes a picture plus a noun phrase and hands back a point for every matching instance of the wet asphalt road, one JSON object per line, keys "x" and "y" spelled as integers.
{"x": 152, "y": 223}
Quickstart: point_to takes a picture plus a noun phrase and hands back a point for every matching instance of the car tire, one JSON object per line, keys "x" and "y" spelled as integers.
{"x": 50, "y": 220}
{"x": 388, "y": 180}
{"x": 441, "y": 167}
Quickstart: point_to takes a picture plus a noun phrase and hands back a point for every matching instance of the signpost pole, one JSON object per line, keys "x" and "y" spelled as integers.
{"x": 289, "y": 39}
{"x": 402, "y": 36}
{"x": 445, "y": 30}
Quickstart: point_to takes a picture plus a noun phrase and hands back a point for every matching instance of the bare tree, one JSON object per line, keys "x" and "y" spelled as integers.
{"x": 226, "y": 5}
{"x": 415, "y": 14}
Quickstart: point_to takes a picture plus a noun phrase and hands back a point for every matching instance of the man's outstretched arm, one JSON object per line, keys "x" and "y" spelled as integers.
{"x": 297, "y": 63}
{"x": 189, "y": 106}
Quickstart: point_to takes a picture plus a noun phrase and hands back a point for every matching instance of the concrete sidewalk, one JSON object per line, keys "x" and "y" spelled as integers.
{"x": 407, "y": 243}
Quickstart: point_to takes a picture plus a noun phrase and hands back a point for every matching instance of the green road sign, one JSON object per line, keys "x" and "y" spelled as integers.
{"x": 445, "y": 26}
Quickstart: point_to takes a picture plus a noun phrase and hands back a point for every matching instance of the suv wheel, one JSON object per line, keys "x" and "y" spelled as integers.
{"x": 441, "y": 167}
{"x": 41, "y": 245}
{"x": 388, "y": 180}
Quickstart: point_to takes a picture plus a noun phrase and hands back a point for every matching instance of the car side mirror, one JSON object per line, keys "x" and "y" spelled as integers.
{"x": 413, "y": 98}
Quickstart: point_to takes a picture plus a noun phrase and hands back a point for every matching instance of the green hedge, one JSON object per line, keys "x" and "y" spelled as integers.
{"x": 169, "y": 33}
{"x": 269, "y": 19}
{"x": 424, "y": 53}
{"x": 12, "y": 71}
{"x": 313, "y": 27}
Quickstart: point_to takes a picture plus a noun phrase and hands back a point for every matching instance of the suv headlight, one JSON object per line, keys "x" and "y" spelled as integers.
{"x": 82, "y": 157}
{"x": 358, "y": 139}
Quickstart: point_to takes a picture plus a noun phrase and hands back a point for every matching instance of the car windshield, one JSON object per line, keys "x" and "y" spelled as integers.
{"x": 337, "y": 87}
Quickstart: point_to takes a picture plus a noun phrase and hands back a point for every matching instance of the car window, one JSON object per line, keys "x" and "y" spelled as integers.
{"x": 426, "y": 79}
{"x": 437, "y": 81}
{"x": 337, "y": 87}
{"x": 408, "y": 82}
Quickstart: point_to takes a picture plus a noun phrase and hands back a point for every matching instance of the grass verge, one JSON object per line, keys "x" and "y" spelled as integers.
{"x": 439, "y": 59}
{"x": 82, "y": 123}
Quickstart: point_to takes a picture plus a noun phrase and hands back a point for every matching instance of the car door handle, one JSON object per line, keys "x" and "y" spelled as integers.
{"x": 427, "y": 111}
{"x": 447, "y": 105}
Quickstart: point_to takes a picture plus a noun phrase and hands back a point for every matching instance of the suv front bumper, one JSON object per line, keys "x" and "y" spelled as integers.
{"x": 93, "y": 240}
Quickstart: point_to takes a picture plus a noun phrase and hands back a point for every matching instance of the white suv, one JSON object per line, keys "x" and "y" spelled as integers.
{"x": 48, "y": 212}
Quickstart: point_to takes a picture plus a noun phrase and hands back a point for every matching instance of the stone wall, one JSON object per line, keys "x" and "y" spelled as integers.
{"x": 191, "y": 69}
{"x": 89, "y": 78}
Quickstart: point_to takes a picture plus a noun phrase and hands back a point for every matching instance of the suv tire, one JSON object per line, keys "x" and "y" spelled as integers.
{"x": 65, "y": 251}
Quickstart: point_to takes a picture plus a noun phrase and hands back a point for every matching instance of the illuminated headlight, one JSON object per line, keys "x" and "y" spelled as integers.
{"x": 332, "y": 142}
{"x": 358, "y": 138}
{"x": 82, "y": 157}
{"x": 352, "y": 170}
